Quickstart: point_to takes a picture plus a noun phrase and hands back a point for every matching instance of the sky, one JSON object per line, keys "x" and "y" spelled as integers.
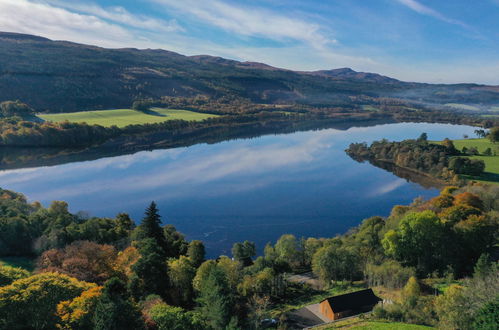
{"x": 439, "y": 41}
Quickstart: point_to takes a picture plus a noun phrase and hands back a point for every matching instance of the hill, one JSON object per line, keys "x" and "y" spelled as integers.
{"x": 65, "y": 76}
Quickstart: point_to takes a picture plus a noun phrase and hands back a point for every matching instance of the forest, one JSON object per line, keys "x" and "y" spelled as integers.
{"x": 109, "y": 273}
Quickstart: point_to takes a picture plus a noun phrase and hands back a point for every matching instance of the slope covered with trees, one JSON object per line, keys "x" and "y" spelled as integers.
{"x": 65, "y": 76}
{"x": 111, "y": 274}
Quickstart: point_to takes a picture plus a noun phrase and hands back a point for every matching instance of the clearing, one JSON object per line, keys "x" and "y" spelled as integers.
{"x": 125, "y": 117}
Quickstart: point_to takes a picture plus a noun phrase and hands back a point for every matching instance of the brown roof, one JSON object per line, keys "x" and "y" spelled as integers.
{"x": 353, "y": 300}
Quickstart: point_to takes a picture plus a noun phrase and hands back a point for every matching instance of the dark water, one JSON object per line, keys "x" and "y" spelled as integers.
{"x": 258, "y": 189}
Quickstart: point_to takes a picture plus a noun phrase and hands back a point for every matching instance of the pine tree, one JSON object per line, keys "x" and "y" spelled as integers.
{"x": 150, "y": 227}
{"x": 114, "y": 310}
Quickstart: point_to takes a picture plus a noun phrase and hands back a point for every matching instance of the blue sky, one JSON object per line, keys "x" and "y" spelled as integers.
{"x": 416, "y": 40}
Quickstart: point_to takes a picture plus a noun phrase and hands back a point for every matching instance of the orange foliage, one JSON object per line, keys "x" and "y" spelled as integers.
{"x": 87, "y": 261}
{"x": 77, "y": 313}
{"x": 469, "y": 199}
{"x": 126, "y": 259}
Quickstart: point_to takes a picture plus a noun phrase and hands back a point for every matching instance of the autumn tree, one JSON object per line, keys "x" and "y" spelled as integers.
{"x": 31, "y": 303}
{"x": 10, "y": 274}
{"x": 78, "y": 313}
{"x": 87, "y": 261}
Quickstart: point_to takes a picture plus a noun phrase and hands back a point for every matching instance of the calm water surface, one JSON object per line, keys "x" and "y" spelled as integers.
{"x": 257, "y": 189}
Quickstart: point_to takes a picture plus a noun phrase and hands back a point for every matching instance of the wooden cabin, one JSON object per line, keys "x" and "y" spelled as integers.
{"x": 353, "y": 303}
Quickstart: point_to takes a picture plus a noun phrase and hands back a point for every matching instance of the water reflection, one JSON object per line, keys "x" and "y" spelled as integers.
{"x": 257, "y": 189}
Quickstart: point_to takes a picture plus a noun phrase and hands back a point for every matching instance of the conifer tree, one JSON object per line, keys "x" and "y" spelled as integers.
{"x": 114, "y": 310}
{"x": 150, "y": 227}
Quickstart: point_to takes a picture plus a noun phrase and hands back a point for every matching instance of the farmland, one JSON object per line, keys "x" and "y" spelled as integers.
{"x": 491, "y": 162}
{"x": 125, "y": 117}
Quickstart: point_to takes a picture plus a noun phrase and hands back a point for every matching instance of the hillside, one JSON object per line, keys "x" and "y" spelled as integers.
{"x": 65, "y": 76}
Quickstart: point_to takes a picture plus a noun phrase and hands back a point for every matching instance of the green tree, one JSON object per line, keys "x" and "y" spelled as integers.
{"x": 494, "y": 134}
{"x": 419, "y": 241}
{"x": 151, "y": 271}
{"x": 483, "y": 266}
{"x": 196, "y": 253}
{"x": 150, "y": 227}
{"x": 181, "y": 274}
{"x": 243, "y": 251}
{"x": 487, "y": 317}
{"x": 411, "y": 291}
{"x": 215, "y": 299}
{"x": 332, "y": 263}
{"x": 176, "y": 245}
{"x": 174, "y": 318}
{"x": 114, "y": 309}
{"x": 450, "y": 308}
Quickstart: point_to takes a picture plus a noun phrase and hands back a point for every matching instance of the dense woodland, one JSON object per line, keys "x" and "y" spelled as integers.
{"x": 101, "y": 273}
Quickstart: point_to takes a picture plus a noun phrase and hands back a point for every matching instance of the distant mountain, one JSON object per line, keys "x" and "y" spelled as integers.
{"x": 66, "y": 76}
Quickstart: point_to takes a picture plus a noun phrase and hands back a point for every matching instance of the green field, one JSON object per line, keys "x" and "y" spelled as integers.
{"x": 125, "y": 117}
{"x": 491, "y": 162}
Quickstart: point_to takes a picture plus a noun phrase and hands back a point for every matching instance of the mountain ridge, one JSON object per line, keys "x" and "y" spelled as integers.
{"x": 67, "y": 76}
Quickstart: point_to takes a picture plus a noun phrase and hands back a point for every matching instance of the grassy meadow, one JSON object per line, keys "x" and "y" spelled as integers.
{"x": 125, "y": 117}
{"x": 491, "y": 162}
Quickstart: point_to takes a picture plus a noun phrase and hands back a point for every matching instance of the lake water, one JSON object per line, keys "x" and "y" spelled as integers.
{"x": 255, "y": 189}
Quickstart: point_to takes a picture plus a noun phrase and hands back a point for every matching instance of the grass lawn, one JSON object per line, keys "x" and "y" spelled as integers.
{"x": 21, "y": 262}
{"x": 491, "y": 174}
{"x": 125, "y": 117}
{"x": 299, "y": 296}
{"x": 375, "y": 325}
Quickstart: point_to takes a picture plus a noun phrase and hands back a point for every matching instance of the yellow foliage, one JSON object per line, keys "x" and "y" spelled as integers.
{"x": 76, "y": 313}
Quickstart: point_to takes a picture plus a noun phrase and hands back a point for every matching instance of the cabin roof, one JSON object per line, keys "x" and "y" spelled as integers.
{"x": 353, "y": 300}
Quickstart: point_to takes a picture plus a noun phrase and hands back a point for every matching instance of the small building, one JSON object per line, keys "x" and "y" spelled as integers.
{"x": 353, "y": 303}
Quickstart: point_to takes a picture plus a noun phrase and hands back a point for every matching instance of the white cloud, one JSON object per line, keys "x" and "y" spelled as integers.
{"x": 425, "y": 10}
{"x": 121, "y": 16}
{"x": 42, "y": 19}
{"x": 250, "y": 21}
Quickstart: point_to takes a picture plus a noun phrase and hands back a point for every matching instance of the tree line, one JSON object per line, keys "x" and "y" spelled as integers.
{"x": 102, "y": 273}
{"x": 438, "y": 160}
